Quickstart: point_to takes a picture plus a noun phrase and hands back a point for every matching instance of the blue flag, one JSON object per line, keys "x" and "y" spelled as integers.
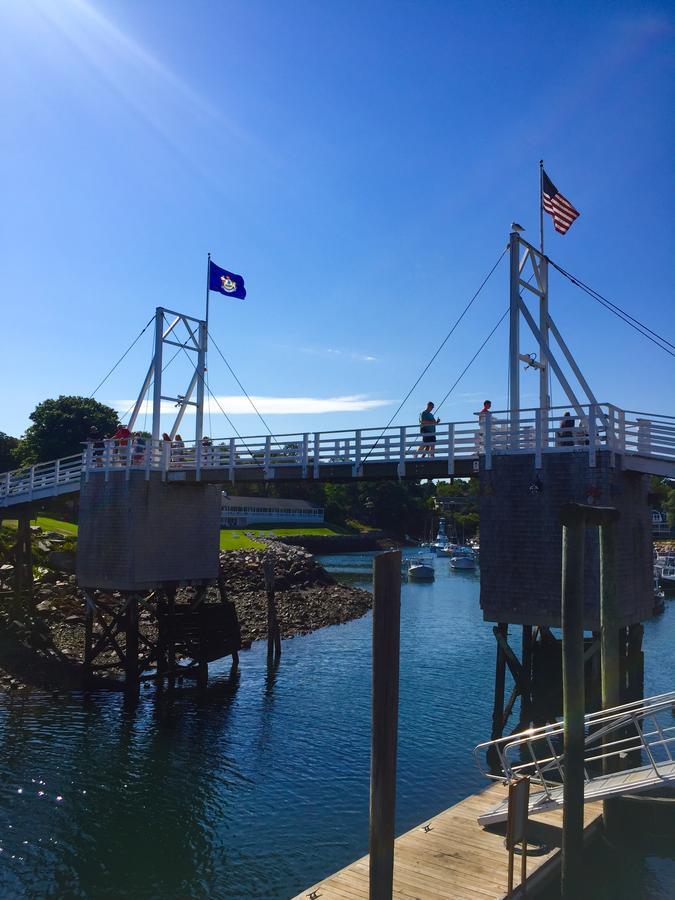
{"x": 225, "y": 282}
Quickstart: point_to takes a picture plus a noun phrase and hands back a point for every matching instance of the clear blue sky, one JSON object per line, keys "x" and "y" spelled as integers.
{"x": 360, "y": 163}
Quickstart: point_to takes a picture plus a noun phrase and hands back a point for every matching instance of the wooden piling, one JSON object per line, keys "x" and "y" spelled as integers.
{"x": 273, "y": 631}
{"x": 131, "y": 645}
{"x": 500, "y": 680}
{"x": 386, "y": 646}
{"x": 573, "y": 699}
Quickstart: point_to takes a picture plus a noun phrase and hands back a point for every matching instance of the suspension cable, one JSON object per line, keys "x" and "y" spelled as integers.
{"x": 214, "y": 397}
{"x": 129, "y": 348}
{"x": 620, "y": 313}
{"x": 244, "y": 391}
{"x": 473, "y": 358}
{"x": 440, "y": 347}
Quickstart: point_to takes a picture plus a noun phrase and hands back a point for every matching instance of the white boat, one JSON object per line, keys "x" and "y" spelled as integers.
{"x": 659, "y": 595}
{"x": 463, "y": 558}
{"x": 421, "y": 567}
{"x": 667, "y": 574}
{"x": 447, "y": 550}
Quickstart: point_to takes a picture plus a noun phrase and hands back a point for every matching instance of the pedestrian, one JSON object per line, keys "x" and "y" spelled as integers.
{"x": 206, "y": 454}
{"x": 566, "y": 433}
{"x": 179, "y": 444}
{"x": 121, "y": 440}
{"x": 95, "y": 442}
{"x": 482, "y": 422}
{"x": 427, "y": 432}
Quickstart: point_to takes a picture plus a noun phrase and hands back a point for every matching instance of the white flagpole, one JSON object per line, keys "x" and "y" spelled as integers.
{"x": 208, "y": 272}
{"x": 541, "y": 205}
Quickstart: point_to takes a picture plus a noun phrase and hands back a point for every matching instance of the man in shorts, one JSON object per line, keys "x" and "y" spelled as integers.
{"x": 428, "y": 432}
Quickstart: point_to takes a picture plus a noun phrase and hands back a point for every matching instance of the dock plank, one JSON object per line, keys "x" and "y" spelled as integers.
{"x": 457, "y": 859}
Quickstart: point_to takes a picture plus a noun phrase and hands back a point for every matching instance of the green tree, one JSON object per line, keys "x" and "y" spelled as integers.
{"x": 8, "y": 445}
{"x": 61, "y": 426}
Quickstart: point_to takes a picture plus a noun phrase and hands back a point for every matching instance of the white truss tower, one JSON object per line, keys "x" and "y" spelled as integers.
{"x": 189, "y": 334}
{"x": 529, "y": 272}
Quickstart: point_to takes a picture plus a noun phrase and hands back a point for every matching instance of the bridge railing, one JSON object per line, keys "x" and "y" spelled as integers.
{"x": 530, "y": 431}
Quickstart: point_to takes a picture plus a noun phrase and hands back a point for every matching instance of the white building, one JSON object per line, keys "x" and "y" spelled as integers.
{"x": 238, "y": 512}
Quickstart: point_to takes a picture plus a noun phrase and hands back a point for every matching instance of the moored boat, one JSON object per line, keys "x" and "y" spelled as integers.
{"x": 463, "y": 558}
{"x": 421, "y": 567}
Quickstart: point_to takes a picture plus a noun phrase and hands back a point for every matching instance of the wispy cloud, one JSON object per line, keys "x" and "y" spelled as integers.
{"x": 332, "y": 353}
{"x": 235, "y": 405}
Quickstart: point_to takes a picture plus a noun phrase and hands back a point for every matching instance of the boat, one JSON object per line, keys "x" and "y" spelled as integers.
{"x": 463, "y": 558}
{"x": 659, "y": 595}
{"x": 667, "y": 574}
{"x": 421, "y": 567}
{"x": 447, "y": 550}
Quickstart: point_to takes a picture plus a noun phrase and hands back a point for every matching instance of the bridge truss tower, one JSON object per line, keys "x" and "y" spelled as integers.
{"x": 529, "y": 276}
{"x": 189, "y": 335}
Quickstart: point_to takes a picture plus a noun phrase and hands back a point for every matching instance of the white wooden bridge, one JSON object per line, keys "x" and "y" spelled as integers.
{"x": 643, "y": 442}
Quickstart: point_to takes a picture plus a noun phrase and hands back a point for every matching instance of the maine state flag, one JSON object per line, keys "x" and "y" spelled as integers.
{"x": 225, "y": 282}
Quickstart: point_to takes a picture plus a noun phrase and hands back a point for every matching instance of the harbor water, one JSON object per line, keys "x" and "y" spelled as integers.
{"x": 259, "y": 786}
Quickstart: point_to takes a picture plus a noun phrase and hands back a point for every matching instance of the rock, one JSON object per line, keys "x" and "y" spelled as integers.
{"x": 45, "y": 606}
{"x": 62, "y": 561}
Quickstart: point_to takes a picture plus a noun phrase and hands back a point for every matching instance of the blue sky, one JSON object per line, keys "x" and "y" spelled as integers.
{"x": 360, "y": 164}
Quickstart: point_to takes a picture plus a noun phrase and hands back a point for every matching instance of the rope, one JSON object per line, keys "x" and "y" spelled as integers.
{"x": 634, "y": 323}
{"x": 129, "y": 348}
{"x": 440, "y": 347}
{"x": 213, "y": 396}
{"x": 474, "y": 357}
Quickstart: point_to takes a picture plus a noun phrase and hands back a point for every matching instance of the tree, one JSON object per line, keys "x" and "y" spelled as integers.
{"x": 8, "y": 445}
{"x": 61, "y": 426}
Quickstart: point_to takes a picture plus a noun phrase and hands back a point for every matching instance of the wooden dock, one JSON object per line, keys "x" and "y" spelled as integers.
{"x": 451, "y": 857}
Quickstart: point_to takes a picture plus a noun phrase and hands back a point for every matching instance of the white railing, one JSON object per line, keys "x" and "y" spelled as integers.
{"x": 336, "y": 453}
{"x": 640, "y": 729}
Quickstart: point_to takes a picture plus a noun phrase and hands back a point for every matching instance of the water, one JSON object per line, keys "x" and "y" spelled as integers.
{"x": 260, "y": 787}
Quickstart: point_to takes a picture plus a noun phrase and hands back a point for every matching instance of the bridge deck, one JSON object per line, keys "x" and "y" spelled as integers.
{"x": 457, "y": 859}
{"x": 644, "y": 442}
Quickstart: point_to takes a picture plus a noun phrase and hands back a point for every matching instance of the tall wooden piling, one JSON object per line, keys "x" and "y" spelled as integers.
{"x": 573, "y": 698}
{"x": 273, "y": 630}
{"x": 131, "y": 645}
{"x": 386, "y": 646}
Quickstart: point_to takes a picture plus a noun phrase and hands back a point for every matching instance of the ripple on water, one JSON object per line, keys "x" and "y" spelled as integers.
{"x": 259, "y": 787}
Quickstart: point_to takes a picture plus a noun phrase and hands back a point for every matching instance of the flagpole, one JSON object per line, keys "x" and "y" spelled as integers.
{"x": 208, "y": 270}
{"x": 541, "y": 206}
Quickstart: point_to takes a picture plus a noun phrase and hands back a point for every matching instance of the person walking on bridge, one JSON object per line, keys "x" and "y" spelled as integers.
{"x": 428, "y": 432}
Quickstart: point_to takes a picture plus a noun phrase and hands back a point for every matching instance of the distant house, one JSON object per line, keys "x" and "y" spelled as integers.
{"x": 238, "y": 512}
{"x": 660, "y": 526}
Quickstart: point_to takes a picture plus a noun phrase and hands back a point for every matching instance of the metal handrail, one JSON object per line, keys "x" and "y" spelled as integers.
{"x": 599, "y": 725}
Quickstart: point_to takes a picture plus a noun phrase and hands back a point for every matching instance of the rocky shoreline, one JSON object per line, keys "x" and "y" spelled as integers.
{"x": 42, "y": 647}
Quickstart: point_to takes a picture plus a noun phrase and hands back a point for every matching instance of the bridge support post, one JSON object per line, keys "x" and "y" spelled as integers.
{"x": 386, "y": 648}
{"x": 23, "y": 559}
{"x": 573, "y": 702}
{"x": 131, "y": 668}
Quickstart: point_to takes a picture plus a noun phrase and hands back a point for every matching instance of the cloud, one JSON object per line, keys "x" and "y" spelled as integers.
{"x": 332, "y": 353}
{"x": 236, "y": 405}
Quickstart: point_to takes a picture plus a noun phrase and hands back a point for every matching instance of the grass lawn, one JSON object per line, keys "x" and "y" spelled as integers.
{"x": 55, "y": 525}
{"x": 235, "y": 538}
{"x": 230, "y": 538}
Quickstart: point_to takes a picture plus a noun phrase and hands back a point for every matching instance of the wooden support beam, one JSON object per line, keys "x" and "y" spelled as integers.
{"x": 500, "y": 680}
{"x": 573, "y": 703}
{"x": 386, "y": 649}
{"x": 131, "y": 667}
{"x": 273, "y": 631}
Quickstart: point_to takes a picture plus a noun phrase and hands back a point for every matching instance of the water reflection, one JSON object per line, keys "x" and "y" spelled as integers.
{"x": 257, "y": 786}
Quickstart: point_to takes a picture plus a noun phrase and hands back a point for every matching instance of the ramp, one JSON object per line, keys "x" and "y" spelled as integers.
{"x": 628, "y": 749}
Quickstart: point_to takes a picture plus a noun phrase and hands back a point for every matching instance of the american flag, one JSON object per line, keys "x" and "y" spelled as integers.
{"x": 561, "y": 210}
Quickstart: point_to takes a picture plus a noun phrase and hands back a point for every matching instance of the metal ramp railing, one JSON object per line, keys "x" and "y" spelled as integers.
{"x": 635, "y": 734}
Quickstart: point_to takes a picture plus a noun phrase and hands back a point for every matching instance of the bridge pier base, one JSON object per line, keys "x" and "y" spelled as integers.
{"x": 131, "y": 635}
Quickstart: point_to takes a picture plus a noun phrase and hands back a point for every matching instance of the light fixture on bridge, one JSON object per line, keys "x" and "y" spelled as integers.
{"x": 530, "y": 360}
